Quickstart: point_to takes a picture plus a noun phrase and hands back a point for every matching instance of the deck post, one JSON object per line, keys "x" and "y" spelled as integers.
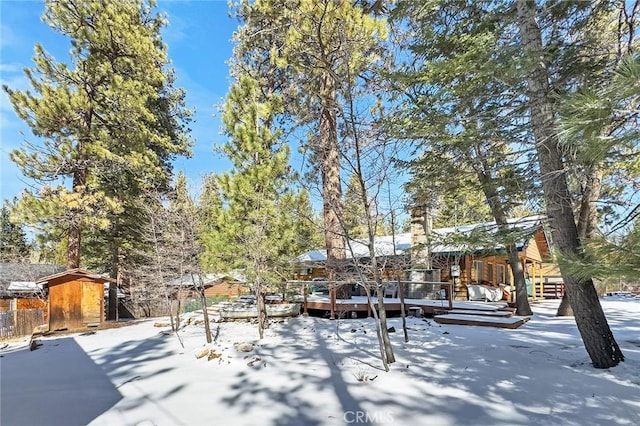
{"x": 533, "y": 280}
{"x": 512, "y": 293}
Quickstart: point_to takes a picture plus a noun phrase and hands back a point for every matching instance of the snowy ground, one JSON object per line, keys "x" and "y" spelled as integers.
{"x": 312, "y": 371}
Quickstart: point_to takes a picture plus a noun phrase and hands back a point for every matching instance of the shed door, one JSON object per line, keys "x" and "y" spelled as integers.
{"x": 92, "y": 296}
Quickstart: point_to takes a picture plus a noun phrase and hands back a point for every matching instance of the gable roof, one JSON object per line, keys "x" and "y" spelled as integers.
{"x": 77, "y": 272}
{"x": 25, "y": 272}
{"x": 384, "y": 245}
{"x": 208, "y": 279}
{"x": 19, "y": 279}
{"x": 523, "y": 229}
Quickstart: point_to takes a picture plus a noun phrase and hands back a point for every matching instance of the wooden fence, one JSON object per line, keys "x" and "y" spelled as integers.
{"x": 20, "y": 322}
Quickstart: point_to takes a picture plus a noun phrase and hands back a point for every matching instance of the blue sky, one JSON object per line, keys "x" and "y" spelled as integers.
{"x": 198, "y": 37}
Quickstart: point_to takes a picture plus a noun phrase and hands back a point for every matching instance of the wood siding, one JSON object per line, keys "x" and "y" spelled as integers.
{"x": 75, "y": 304}
{"x": 225, "y": 289}
{"x": 532, "y": 251}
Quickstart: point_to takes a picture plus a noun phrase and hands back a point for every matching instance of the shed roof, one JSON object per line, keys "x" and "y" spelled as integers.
{"x": 77, "y": 272}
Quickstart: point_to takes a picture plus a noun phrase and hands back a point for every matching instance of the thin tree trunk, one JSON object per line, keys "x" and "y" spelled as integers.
{"x": 401, "y": 285}
{"x": 113, "y": 288}
{"x": 205, "y": 313}
{"x": 376, "y": 319}
{"x": 403, "y": 312}
{"x": 522, "y": 298}
{"x": 589, "y": 316}
{"x": 263, "y": 321}
{"x": 75, "y": 224}
{"x": 203, "y": 302}
{"x": 382, "y": 314}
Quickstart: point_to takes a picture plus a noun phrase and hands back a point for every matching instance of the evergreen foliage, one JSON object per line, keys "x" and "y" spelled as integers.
{"x": 109, "y": 120}
{"x": 255, "y": 220}
{"x": 13, "y": 240}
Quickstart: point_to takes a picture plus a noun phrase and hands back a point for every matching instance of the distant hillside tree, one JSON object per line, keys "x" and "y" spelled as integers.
{"x": 13, "y": 240}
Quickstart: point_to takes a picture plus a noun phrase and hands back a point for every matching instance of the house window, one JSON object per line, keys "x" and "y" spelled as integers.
{"x": 501, "y": 275}
{"x": 490, "y": 272}
{"x": 477, "y": 269}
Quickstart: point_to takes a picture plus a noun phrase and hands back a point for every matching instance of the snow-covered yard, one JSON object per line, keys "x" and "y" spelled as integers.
{"x": 312, "y": 371}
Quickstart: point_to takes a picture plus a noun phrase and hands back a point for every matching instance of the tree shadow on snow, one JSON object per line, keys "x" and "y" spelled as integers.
{"x": 441, "y": 377}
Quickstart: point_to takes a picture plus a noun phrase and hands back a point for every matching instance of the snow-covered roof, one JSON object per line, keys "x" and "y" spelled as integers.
{"x": 384, "y": 245}
{"x": 25, "y": 272}
{"x": 24, "y": 286}
{"x": 207, "y": 279}
{"x": 529, "y": 222}
{"x": 525, "y": 225}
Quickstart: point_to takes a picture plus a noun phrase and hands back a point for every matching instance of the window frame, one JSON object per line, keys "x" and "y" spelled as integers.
{"x": 478, "y": 269}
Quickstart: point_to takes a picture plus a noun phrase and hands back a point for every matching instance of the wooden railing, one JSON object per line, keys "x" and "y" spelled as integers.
{"x": 20, "y": 322}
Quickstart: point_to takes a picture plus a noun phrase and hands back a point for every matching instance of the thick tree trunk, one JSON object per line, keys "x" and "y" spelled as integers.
{"x": 332, "y": 187}
{"x": 522, "y": 297}
{"x": 564, "y": 310}
{"x": 588, "y": 216}
{"x": 590, "y": 319}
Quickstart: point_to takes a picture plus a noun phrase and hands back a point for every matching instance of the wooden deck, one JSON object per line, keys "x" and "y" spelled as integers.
{"x": 429, "y": 307}
{"x": 483, "y": 314}
{"x": 481, "y": 321}
{"x": 496, "y": 314}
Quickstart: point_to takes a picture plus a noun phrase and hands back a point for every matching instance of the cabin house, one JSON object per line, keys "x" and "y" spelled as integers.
{"x": 18, "y": 287}
{"x": 76, "y": 299}
{"x": 229, "y": 286}
{"x": 482, "y": 258}
{"x": 476, "y": 251}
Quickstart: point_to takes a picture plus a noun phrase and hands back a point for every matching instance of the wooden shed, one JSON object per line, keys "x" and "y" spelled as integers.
{"x": 76, "y": 299}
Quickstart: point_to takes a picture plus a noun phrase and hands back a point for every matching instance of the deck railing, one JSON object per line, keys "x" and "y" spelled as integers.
{"x": 20, "y": 322}
{"x": 412, "y": 290}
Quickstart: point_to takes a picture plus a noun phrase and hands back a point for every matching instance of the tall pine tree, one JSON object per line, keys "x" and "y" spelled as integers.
{"x": 254, "y": 229}
{"x": 108, "y": 121}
